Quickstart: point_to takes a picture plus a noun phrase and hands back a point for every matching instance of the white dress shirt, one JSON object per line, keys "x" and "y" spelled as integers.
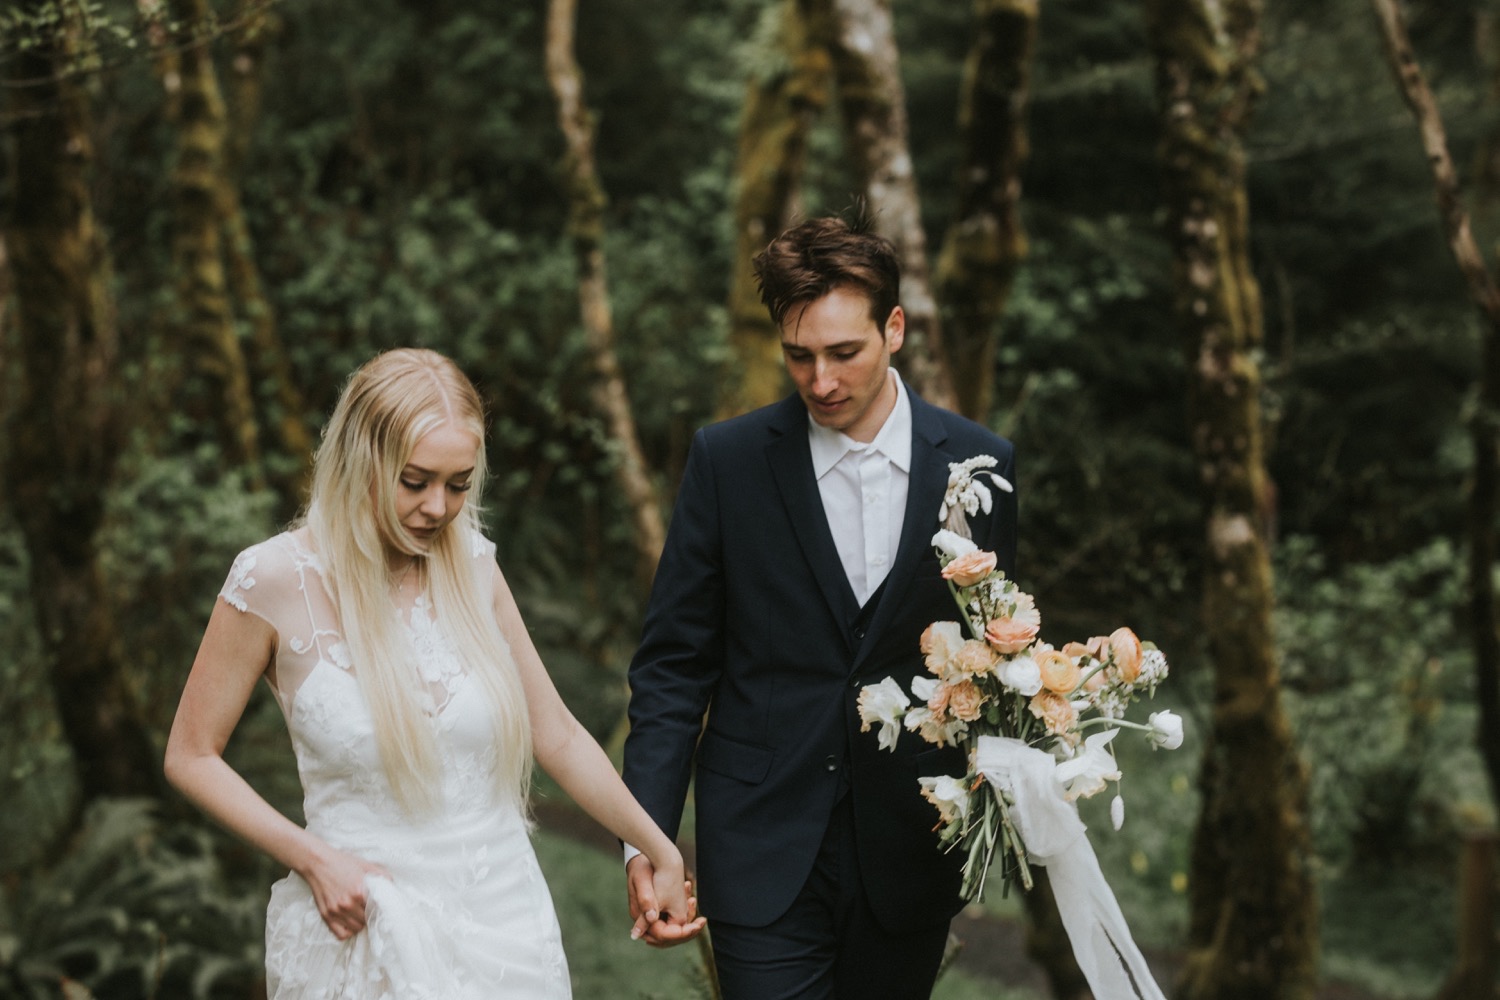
{"x": 864, "y": 489}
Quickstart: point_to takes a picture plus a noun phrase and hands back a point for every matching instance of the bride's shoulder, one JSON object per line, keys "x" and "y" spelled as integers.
{"x": 275, "y": 565}
{"x": 478, "y": 547}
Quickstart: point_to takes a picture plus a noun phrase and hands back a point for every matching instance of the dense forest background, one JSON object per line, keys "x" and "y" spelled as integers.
{"x": 399, "y": 177}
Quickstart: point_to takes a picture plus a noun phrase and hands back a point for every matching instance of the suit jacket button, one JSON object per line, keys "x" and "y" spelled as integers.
{"x": 831, "y": 763}
{"x": 859, "y": 633}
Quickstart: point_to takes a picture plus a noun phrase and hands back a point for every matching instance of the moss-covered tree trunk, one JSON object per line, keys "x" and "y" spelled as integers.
{"x": 861, "y": 39}
{"x": 287, "y": 439}
{"x": 781, "y": 103}
{"x": 985, "y": 244}
{"x": 1253, "y": 909}
{"x": 586, "y": 227}
{"x": 64, "y": 429}
{"x": 205, "y": 365}
{"x": 1472, "y": 977}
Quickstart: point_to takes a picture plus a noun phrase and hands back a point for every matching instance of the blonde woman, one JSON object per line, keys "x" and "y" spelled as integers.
{"x": 415, "y": 702}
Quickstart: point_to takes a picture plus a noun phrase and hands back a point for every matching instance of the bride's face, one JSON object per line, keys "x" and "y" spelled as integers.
{"x": 435, "y": 481}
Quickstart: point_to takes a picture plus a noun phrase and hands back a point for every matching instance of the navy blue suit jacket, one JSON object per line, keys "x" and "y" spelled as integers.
{"x": 751, "y": 660}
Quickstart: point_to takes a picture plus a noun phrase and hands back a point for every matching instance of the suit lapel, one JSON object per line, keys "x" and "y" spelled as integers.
{"x": 926, "y": 485}
{"x": 790, "y": 459}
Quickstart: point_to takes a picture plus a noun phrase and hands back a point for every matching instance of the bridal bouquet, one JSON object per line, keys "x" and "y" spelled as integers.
{"x": 1037, "y": 720}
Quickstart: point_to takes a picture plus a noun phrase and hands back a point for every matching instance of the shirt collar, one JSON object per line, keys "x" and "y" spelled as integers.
{"x": 893, "y": 440}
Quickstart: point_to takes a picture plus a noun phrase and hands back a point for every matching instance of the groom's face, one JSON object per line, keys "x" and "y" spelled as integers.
{"x": 839, "y": 361}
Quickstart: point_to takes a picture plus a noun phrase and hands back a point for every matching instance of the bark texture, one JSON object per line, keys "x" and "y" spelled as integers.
{"x": 861, "y": 40}
{"x": 1253, "y": 925}
{"x": 781, "y": 105}
{"x": 986, "y": 243}
{"x": 1484, "y": 424}
{"x": 211, "y": 383}
{"x": 586, "y": 227}
{"x": 64, "y": 431}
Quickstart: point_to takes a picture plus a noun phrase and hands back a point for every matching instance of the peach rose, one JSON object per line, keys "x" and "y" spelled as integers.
{"x": 1057, "y": 712}
{"x": 965, "y": 700}
{"x": 974, "y": 659}
{"x": 1127, "y": 650}
{"x": 939, "y": 642}
{"x": 1059, "y": 672}
{"x": 937, "y": 704}
{"x": 1010, "y": 635}
{"x": 970, "y": 568}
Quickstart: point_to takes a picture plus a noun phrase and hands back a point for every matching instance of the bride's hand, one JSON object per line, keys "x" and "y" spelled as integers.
{"x": 676, "y": 918}
{"x": 337, "y": 880}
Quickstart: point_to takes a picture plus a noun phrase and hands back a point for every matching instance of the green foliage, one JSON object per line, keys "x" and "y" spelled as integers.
{"x": 137, "y": 909}
{"x": 1379, "y": 688}
{"x": 172, "y": 528}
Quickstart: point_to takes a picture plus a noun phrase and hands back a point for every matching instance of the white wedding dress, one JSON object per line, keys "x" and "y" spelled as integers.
{"x": 466, "y": 913}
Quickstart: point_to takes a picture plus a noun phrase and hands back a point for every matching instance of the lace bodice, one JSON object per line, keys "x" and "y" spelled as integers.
{"x": 347, "y": 796}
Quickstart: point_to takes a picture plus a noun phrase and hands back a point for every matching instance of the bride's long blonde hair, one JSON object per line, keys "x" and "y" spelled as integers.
{"x": 386, "y": 407}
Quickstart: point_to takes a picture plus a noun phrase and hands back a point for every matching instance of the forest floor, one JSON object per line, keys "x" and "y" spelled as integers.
{"x": 994, "y": 947}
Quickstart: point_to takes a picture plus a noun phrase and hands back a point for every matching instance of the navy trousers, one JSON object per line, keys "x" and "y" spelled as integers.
{"x": 828, "y": 946}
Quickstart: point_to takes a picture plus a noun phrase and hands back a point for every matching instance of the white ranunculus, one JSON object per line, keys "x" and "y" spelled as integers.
{"x": 1166, "y": 730}
{"x": 1090, "y": 768}
{"x": 886, "y": 704}
{"x": 1117, "y": 812}
{"x": 953, "y": 544}
{"x": 1021, "y": 675}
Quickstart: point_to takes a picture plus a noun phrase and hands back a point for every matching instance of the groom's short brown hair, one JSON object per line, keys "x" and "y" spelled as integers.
{"x": 815, "y": 257}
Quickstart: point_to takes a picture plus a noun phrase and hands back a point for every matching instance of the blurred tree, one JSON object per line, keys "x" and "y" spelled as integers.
{"x": 586, "y": 227}
{"x": 861, "y": 40}
{"x": 787, "y": 92}
{"x": 203, "y": 378}
{"x": 1253, "y": 931}
{"x": 65, "y": 429}
{"x": 1474, "y": 975}
{"x": 986, "y": 241}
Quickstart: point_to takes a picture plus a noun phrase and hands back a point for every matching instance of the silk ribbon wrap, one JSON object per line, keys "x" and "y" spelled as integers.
{"x": 1053, "y": 835}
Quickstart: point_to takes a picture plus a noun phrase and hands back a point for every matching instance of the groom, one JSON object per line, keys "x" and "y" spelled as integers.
{"x": 799, "y": 567}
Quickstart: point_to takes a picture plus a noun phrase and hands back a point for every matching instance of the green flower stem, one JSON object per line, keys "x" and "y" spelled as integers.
{"x": 1100, "y": 720}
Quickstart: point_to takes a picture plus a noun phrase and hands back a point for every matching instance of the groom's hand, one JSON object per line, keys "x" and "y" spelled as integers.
{"x": 660, "y": 930}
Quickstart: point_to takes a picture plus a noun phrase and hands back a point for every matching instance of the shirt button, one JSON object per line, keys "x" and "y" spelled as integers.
{"x": 878, "y": 561}
{"x": 830, "y": 763}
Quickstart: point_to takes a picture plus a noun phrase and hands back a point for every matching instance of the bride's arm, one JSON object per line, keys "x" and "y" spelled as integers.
{"x": 576, "y": 762}
{"x": 234, "y": 654}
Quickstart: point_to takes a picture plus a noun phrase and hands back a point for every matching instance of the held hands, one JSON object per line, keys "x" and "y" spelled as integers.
{"x": 661, "y": 903}
{"x": 337, "y": 881}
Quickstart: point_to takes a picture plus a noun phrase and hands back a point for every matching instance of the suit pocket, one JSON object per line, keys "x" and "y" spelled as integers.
{"x": 733, "y": 759}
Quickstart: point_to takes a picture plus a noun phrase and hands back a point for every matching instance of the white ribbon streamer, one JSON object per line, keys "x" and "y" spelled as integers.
{"x": 1053, "y": 834}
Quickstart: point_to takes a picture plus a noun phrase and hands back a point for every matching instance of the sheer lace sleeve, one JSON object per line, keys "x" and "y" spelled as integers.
{"x": 281, "y": 581}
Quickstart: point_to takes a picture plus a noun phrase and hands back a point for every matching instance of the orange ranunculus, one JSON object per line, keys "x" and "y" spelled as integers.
{"x": 969, "y": 568}
{"x": 1127, "y": 649}
{"x": 965, "y": 700}
{"x": 1076, "y": 649}
{"x": 1059, "y": 672}
{"x": 1057, "y": 712}
{"x": 1010, "y": 635}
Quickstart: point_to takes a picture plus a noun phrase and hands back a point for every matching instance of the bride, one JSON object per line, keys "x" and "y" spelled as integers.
{"x": 415, "y": 702}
